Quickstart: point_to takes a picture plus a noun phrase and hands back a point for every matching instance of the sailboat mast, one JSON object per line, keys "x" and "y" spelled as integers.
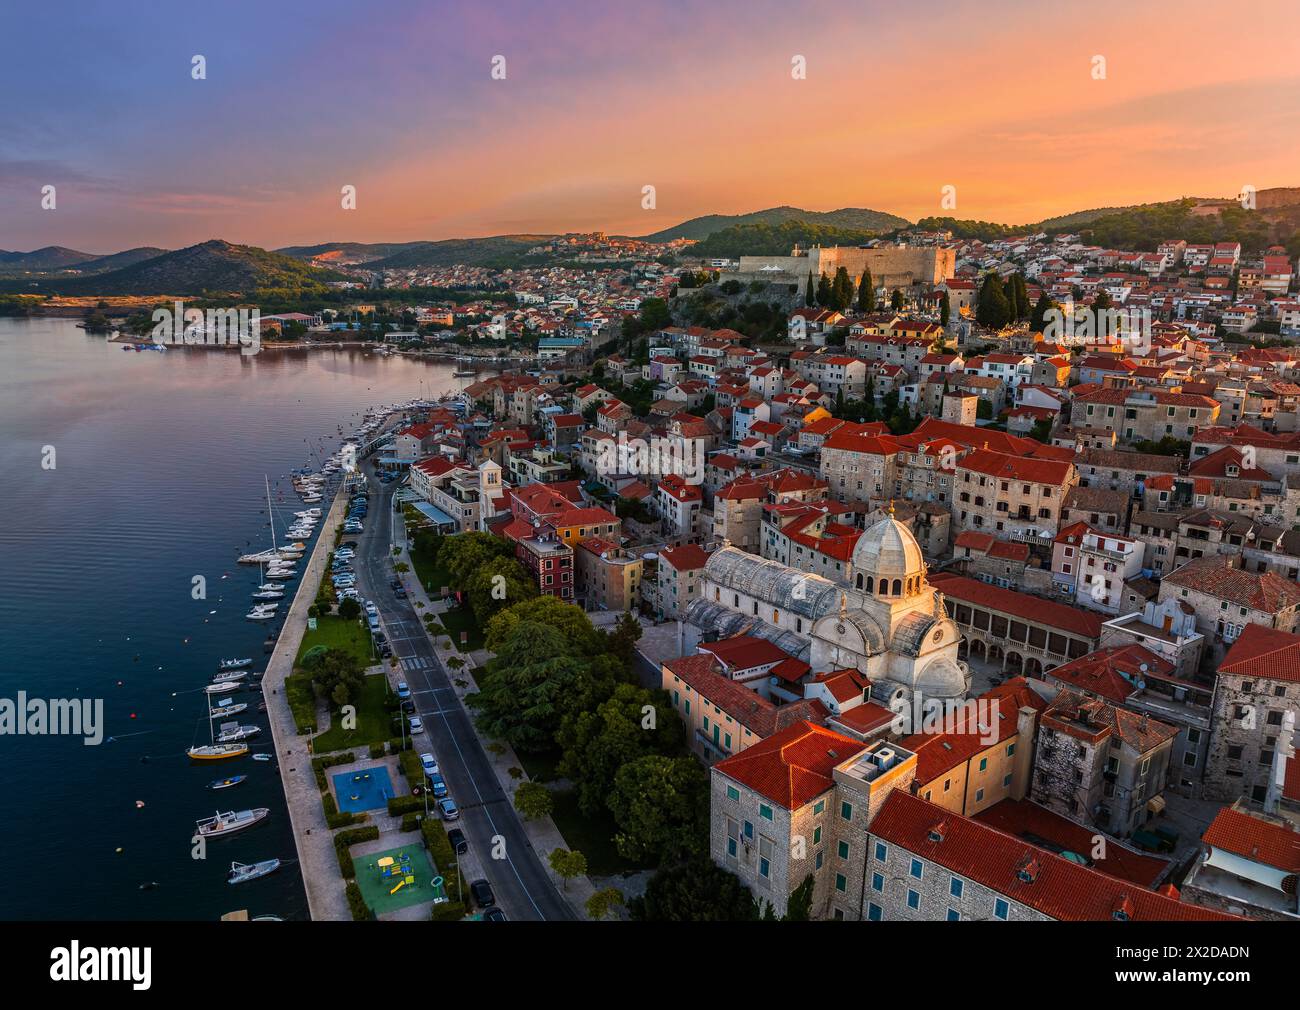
{"x": 270, "y": 514}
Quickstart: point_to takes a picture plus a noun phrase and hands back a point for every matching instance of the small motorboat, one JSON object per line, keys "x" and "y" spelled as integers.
{"x": 241, "y": 872}
{"x": 229, "y": 783}
{"x": 231, "y": 707}
{"x": 261, "y": 757}
{"x": 260, "y": 615}
{"x": 269, "y": 594}
{"x": 231, "y": 732}
{"x": 229, "y": 676}
{"x": 234, "y": 664}
{"x": 222, "y": 687}
{"x": 267, "y": 587}
{"x": 229, "y": 822}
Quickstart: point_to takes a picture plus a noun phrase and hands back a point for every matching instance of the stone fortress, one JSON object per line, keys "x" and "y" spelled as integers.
{"x": 891, "y": 266}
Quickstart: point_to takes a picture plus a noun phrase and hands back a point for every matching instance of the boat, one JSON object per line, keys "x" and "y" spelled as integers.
{"x": 214, "y": 751}
{"x": 232, "y": 732}
{"x": 267, "y": 587}
{"x": 241, "y": 872}
{"x": 261, "y": 757}
{"x": 229, "y": 783}
{"x": 259, "y": 558}
{"x": 235, "y": 707}
{"x": 234, "y": 664}
{"x": 222, "y": 687}
{"x": 229, "y": 676}
{"x": 269, "y": 594}
{"x": 260, "y": 615}
{"x": 229, "y": 822}
{"x": 281, "y": 573}
{"x": 464, "y": 373}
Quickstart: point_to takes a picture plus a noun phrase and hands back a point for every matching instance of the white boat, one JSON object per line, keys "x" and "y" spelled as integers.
{"x": 234, "y": 708}
{"x": 230, "y": 822}
{"x": 260, "y": 615}
{"x": 269, "y": 594}
{"x": 261, "y": 757}
{"x": 260, "y": 558}
{"x": 267, "y": 587}
{"x": 222, "y": 688}
{"x": 241, "y": 872}
{"x": 229, "y": 676}
{"x": 213, "y": 751}
{"x": 234, "y": 664}
{"x": 232, "y": 732}
{"x": 281, "y": 573}
{"x": 309, "y": 513}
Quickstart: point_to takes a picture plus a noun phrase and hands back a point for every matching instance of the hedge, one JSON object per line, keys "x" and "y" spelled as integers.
{"x": 360, "y": 910}
{"x": 397, "y": 745}
{"x": 443, "y": 855}
{"x": 399, "y": 805}
{"x": 410, "y": 822}
{"x": 336, "y": 818}
{"x": 319, "y": 764}
{"x": 302, "y": 702}
{"x": 448, "y": 911}
{"x": 376, "y": 750}
{"x": 409, "y": 762}
{"x": 344, "y": 839}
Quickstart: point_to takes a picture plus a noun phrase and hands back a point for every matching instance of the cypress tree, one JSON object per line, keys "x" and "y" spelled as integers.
{"x": 808, "y": 298}
{"x": 866, "y": 292}
{"x": 824, "y": 291}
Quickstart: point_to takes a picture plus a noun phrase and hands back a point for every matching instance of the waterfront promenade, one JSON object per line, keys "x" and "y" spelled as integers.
{"x": 316, "y": 858}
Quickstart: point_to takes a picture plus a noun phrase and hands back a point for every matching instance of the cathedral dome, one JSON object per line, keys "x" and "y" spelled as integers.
{"x": 888, "y": 550}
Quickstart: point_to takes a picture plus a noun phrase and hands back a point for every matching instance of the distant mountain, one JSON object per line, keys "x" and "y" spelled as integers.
{"x": 495, "y": 251}
{"x": 849, "y": 218}
{"x": 213, "y": 267}
{"x": 763, "y": 239}
{"x": 52, "y": 257}
{"x": 126, "y": 258}
{"x": 346, "y": 253}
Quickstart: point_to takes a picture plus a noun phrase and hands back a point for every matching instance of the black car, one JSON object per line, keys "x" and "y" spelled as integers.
{"x": 458, "y": 841}
{"x": 394, "y": 583}
{"x": 408, "y": 707}
{"x": 494, "y": 914}
{"x": 349, "y": 543}
{"x": 400, "y": 593}
{"x": 482, "y": 892}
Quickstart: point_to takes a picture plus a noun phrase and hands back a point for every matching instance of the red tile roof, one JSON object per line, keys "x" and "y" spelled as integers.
{"x": 1008, "y": 601}
{"x": 792, "y": 767}
{"x": 1111, "y": 673}
{"x": 1251, "y": 838}
{"x": 1004, "y": 466}
{"x": 1262, "y": 591}
{"x": 688, "y": 557}
{"x": 1265, "y": 653}
{"x": 1050, "y": 884}
{"x": 743, "y": 652}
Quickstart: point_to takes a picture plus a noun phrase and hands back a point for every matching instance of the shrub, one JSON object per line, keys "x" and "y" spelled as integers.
{"x": 319, "y": 764}
{"x": 399, "y": 805}
{"x": 360, "y": 910}
{"x": 410, "y": 822}
{"x": 397, "y": 745}
{"x": 376, "y": 750}
{"x": 344, "y": 839}
{"x": 448, "y": 911}
{"x": 302, "y": 702}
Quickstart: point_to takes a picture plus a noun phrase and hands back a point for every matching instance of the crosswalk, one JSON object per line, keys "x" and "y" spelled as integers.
{"x": 417, "y": 663}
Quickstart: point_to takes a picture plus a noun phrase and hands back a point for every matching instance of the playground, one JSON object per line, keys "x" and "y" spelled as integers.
{"x": 363, "y": 789}
{"x": 398, "y": 878}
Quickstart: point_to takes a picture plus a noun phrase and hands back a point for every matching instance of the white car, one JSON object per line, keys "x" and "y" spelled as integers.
{"x": 417, "y": 726}
{"x": 429, "y": 764}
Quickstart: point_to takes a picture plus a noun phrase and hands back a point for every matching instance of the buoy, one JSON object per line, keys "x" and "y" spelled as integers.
{"x": 139, "y": 804}
{"x": 132, "y": 715}
{"x": 118, "y": 850}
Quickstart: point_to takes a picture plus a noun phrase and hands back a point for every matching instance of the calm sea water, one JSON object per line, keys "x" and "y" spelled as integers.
{"x": 158, "y": 478}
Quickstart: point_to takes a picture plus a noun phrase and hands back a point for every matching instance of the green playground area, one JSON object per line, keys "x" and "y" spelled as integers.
{"x": 398, "y": 878}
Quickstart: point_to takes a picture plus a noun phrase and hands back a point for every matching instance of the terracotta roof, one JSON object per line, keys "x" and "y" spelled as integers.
{"x": 1111, "y": 673}
{"x": 1007, "y": 601}
{"x": 1265, "y": 653}
{"x": 1214, "y": 576}
{"x": 1255, "y": 839}
{"x": 792, "y": 767}
{"x": 743, "y": 652}
{"x": 1057, "y": 887}
{"x": 1002, "y": 465}
{"x": 688, "y": 557}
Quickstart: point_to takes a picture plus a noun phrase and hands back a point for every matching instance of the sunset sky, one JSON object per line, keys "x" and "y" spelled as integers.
{"x": 601, "y": 98}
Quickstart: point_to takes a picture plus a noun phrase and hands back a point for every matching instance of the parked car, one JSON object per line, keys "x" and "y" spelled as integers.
{"x": 459, "y": 843}
{"x": 348, "y": 545}
{"x": 399, "y": 594}
{"x": 438, "y": 785}
{"x": 403, "y": 689}
{"x": 429, "y": 763}
{"x": 447, "y": 807}
{"x": 494, "y": 914}
{"x": 394, "y": 583}
{"x": 417, "y": 725}
{"x": 408, "y": 707}
{"x": 482, "y": 892}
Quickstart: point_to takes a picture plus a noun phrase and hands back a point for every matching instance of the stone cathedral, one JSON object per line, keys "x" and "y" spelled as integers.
{"x": 887, "y": 621}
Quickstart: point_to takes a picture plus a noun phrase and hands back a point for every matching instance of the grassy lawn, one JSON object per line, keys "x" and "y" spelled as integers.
{"x": 373, "y": 720}
{"x": 431, "y": 574}
{"x": 540, "y": 767}
{"x": 592, "y": 836}
{"x": 462, "y": 619}
{"x": 335, "y": 633}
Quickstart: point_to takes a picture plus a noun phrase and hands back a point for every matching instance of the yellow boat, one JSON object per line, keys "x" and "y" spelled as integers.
{"x": 217, "y": 751}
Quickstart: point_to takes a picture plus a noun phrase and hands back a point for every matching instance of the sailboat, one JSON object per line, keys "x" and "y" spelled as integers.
{"x": 213, "y": 751}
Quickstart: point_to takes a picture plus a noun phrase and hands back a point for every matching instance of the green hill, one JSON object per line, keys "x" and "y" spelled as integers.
{"x": 776, "y": 239}
{"x": 847, "y": 218}
{"x": 51, "y": 257}
{"x": 495, "y": 251}
{"x": 213, "y": 267}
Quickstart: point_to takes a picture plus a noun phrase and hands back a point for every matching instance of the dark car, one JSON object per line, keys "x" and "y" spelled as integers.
{"x": 482, "y": 892}
{"x": 438, "y": 785}
{"x": 349, "y": 543}
{"x": 408, "y": 707}
{"x": 400, "y": 593}
{"x": 459, "y": 843}
{"x": 394, "y": 583}
{"x": 493, "y": 914}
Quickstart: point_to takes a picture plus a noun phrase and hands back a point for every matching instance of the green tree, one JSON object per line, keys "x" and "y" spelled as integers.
{"x": 992, "y": 308}
{"x": 897, "y": 300}
{"x": 841, "y": 290}
{"x": 337, "y": 675}
{"x": 632, "y": 723}
{"x": 533, "y": 801}
{"x": 568, "y": 864}
{"x": 945, "y": 310}
{"x": 809, "y": 298}
{"x": 694, "y": 891}
{"x": 866, "y": 292}
{"x": 568, "y": 619}
{"x": 823, "y": 291}
{"x": 1038, "y": 320}
{"x": 603, "y": 903}
{"x": 500, "y": 583}
{"x": 621, "y": 642}
{"x": 465, "y": 553}
{"x": 661, "y": 807}
{"x": 349, "y": 609}
{"x": 799, "y": 907}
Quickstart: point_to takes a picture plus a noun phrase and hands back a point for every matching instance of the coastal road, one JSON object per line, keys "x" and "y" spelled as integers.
{"x": 521, "y": 885}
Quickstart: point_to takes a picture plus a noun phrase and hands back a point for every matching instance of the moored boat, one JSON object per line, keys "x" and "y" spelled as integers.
{"x": 229, "y": 822}
{"x": 241, "y": 872}
{"x": 217, "y": 751}
{"x": 229, "y": 783}
{"x": 234, "y": 664}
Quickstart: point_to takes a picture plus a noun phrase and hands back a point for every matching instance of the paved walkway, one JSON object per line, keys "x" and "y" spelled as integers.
{"x": 542, "y": 832}
{"x": 320, "y": 868}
